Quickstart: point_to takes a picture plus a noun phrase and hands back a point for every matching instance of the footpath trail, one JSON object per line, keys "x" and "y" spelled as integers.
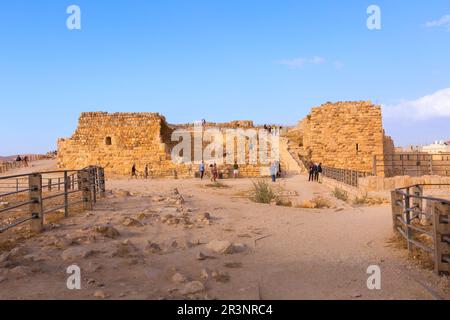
{"x": 279, "y": 252}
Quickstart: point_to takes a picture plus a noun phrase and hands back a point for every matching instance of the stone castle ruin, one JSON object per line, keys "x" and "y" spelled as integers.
{"x": 343, "y": 135}
{"x": 117, "y": 141}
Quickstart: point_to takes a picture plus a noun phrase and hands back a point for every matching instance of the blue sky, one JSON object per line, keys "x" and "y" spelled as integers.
{"x": 265, "y": 60}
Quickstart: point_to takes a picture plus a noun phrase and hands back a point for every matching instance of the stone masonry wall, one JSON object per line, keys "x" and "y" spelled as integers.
{"x": 344, "y": 135}
{"x": 117, "y": 141}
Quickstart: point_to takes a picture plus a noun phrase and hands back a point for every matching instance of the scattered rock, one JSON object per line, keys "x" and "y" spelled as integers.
{"x": 4, "y": 257}
{"x": 100, "y": 294}
{"x": 220, "y": 246}
{"x": 108, "y": 231}
{"x": 130, "y": 222}
{"x": 20, "y": 271}
{"x": 233, "y": 265}
{"x": 4, "y": 205}
{"x": 3, "y": 279}
{"x": 220, "y": 276}
{"x": 201, "y": 256}
{"x": 239, "y": 247}
{"x": 192, "y": 288}
{"x": 202, "y": 217}
{"x": 356, "y": 295}
{"x": 204, "y": 275}
{"x": 179, "y": 278}
{"x": 76, "y": 253}
{"x": 122, "y": 193}
{"x": 153, "y": 247}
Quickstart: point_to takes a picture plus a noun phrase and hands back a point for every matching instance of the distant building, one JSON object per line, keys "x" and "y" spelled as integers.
{"x": 437, "y": 147}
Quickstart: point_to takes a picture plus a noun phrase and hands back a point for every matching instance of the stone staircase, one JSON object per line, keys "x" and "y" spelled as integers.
{"x": 289, "y": 161}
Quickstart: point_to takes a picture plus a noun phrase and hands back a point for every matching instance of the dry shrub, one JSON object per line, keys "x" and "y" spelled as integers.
{"x": 217, "y": 185}
{"x": 340, "y": 194}
{"x": 284, "y": 203}
{"x": 316, "y": 203}
{"x": 262, "y": 192}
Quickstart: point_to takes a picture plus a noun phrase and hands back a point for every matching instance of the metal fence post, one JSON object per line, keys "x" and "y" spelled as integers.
{"x": 408, "y": 220}
{"x": 66, "y": 194}
{"x": 101, "y": 178}
{"x": 441, "y": 225}
{"x": 86, "y": 189}
{"x": 397, "y": 209}
{"x": 36, "y": 208}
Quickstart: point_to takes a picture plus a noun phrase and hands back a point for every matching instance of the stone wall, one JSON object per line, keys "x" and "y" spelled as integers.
{"x": 117, "y": 141}
{"x": 343, "y": 135}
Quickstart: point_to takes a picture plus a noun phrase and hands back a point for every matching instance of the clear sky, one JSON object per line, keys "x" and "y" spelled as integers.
{"x": 265, "y": 60}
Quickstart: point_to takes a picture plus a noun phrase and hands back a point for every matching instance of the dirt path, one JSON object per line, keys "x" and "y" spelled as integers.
{"x": 278, "y": 252}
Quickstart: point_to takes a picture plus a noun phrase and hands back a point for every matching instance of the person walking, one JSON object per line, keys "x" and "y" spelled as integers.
{"x": 235, "y": 170}
{"x": 273, "y": 171}
{"x": 202, "y": 170}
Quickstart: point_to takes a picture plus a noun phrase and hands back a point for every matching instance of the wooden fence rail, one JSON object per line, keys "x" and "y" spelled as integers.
{"x": 409, "y": 207}
{"x": 89, "y": 183}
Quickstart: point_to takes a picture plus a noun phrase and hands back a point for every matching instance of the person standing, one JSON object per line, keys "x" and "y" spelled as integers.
{"x": 215, "y": 172}
{"x": 146, "y": 172}
{"x": 134, "y": 172}
{"x": 311, "y": 172}
{"x": 319, "y": 173}
{"x": 202, "y": 170}
{"x": 235, "y": 170}
{"x": 273, "y": 171}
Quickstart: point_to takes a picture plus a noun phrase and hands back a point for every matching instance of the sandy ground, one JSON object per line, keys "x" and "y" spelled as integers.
{"x": 272, "y": 252}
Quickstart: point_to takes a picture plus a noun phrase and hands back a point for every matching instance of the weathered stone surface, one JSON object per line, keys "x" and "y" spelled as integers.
{"x": 179, "y": 278}
{"x": 220, "y": 246}
{"x": 193, "y": 288}
{"x": 117, "y": 141}
{"x": 108, "y": 231}
{"x": 351, "y": 132}
{"x": 76, "y": 253}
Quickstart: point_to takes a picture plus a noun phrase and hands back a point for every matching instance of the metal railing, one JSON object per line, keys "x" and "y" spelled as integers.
{"x": 349, "y": 177}
{"x": 409, "y": 207}
{"x": 32, "y": 199}
{"x": 412, "y": 164}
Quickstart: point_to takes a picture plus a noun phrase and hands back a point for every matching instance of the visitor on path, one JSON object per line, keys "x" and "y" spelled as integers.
{"x": 279, "y": 169}
{"x": 311, "y": 172}
{"x": 146, "y": 172}
{"x": 319, "y": 173}
{"x": 235, "y": 170}
{"x": 202, "y": 170}
{"x": 25, "y": 161}
{"x": 214, "y": 172}
{"x": 134, "y": 172}
{"x": 273, "y": 171}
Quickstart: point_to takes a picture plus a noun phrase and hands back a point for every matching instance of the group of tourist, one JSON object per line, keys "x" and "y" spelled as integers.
{"x": 273, "y": 130}
{"x": 134, "y": 172}
{"x": 22, "y": 161}
{"x": 214, "y": 171}
{"x": 315, "y": 172}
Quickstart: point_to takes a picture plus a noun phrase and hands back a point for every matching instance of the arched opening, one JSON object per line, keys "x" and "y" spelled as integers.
{"x": 108, "y": 141}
